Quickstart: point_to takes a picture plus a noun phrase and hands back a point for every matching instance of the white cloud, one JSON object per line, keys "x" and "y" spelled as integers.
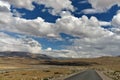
{"x": 89, "y": 48}
{"x": 116, "y": 24}
{"x": 104, "y": 23}
{"x": 6, "y": 5}
{"x": 21, "y": 3}
{"x": 56, "y": 5}
{"x": 93, "y": 40}
{"x": 90, "y": 11}
{"x": 17, "y": 14}
{"x": 81, "y": 27}
{"x": 36, "y": 27}
{"x": 116, "y": 30}
{"x": 104, "y": 46}
{"x": 116, "y": 21}
{"x": 103, "y": 5}
{"x": 61, "y": 53}
{"x": 8, "y": 43}
{"x": 49, "y": 49}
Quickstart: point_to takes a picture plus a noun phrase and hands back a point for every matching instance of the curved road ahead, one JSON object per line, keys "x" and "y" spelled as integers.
{"x": 86, "y": 75}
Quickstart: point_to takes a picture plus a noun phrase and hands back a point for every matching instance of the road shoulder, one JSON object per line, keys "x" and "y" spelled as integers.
{"x": 103, "y": 76}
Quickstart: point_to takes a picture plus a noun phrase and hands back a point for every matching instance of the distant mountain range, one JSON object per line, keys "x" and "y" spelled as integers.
{"x": 24, "y": 55}
{"x": 33, "y": 56}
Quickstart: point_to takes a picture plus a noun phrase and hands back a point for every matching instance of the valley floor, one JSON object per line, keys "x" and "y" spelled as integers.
{"x": 15, "y": 68}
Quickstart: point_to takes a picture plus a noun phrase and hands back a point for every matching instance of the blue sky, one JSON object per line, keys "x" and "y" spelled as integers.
{"x": 54, "y": 24}
{"x": 37, "y": 12}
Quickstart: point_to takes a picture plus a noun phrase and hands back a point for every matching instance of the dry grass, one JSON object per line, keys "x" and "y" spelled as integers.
{"x": 33, "y": 74}
{"x": 30, "y": 69}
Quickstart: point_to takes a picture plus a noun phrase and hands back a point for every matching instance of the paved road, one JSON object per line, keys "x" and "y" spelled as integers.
{"x": 86, "y": 75}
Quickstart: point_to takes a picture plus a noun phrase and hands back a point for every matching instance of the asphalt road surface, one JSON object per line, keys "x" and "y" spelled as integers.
{"x": 86, "y": 75}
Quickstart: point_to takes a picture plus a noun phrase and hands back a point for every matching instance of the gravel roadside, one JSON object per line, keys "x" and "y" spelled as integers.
{"x": 104, "y": 77}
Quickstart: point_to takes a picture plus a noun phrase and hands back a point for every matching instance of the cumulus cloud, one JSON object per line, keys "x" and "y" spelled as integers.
{"x": 116, "y": 21}
{"x": 104, "y": 46}
{"x": 8, "y": 43}
{"x": 89, "y": 48}
{"x": 102, "y": 5}
{"x": 5, "y": 5}
{"x": 21, "y": 3}
{"x": 36, "y": 27}
{"x": 56, "y": 5}
{"x": 93, "y": 40}
{"x": 81, "y": 27}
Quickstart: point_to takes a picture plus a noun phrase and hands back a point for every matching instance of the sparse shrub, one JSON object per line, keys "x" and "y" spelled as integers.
{"x": 6, "y": 74}
{"x": 46, "y": 70}
{"x": 24, "y": 74}
{"x": 115, "y": 75}
{"x": 57, "y": 73}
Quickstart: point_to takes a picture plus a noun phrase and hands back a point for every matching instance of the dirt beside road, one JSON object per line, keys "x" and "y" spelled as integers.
{"x": 103, "y": 76}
